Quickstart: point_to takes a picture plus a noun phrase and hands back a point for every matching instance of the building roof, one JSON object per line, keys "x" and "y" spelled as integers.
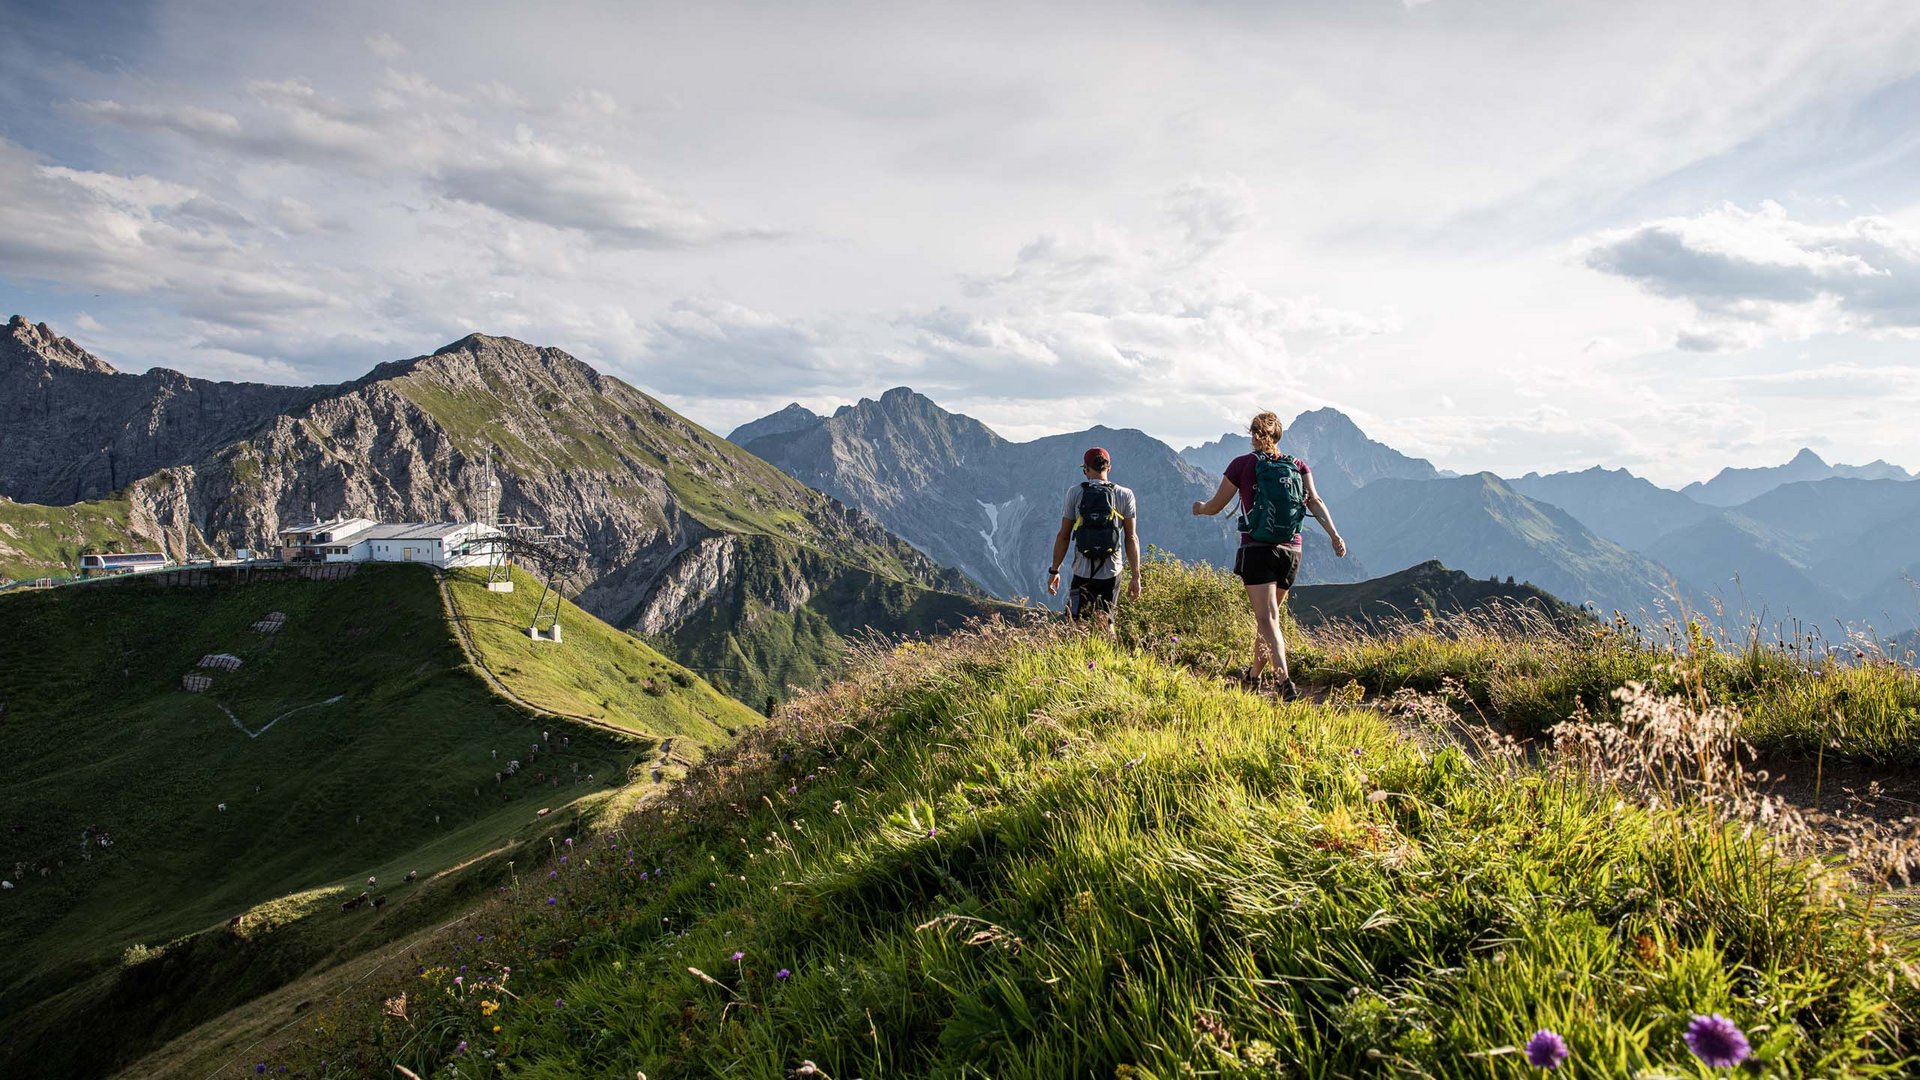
{"x": 416, "y": 530}
{"x": 340, "y": 527}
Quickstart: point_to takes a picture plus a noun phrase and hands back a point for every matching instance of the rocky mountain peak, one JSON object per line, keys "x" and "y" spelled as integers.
{"x": 1806, "y": 457}
{"x": 795, "y": 417}
{"x": 37, "y": 340}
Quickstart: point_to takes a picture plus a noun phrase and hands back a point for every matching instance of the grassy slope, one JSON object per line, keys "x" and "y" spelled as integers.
{"x": 599, "y": 672}
{"x": 38, "y": 541}
{"x": 99, "y": 737}
{"x": 1016, "y": 856}
{"x": 756, "y": 652}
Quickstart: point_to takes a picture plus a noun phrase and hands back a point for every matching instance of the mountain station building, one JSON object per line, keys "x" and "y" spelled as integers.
{"x": 444, "y": 544}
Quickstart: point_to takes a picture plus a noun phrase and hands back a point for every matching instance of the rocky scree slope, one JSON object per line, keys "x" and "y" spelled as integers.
{"x": 73, "y": 428}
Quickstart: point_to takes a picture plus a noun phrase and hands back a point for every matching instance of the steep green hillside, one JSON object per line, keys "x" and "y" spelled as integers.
{"x": 354, "y": 740}
{"x": 597, "y": 674}
{"x": 786, "y": 621}
{"x": 47, "y": 541}
{"x": 1030, "y": 855}
{"x": 1418, "y": 591}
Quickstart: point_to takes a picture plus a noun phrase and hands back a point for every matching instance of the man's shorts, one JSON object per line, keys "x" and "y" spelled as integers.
{"x": 1267, "y": 564}
{"x": 1089, "y": 595}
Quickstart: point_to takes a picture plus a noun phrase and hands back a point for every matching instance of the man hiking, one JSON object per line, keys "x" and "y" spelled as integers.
{"x": 1276, "y": 495}
{"x": 1099, "y": 520}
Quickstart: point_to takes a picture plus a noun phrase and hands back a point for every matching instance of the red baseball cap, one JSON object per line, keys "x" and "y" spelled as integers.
{"x": 1096, "y": 457}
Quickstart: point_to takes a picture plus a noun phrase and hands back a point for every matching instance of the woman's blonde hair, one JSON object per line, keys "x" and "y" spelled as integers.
{"x": 1265, "y": 429}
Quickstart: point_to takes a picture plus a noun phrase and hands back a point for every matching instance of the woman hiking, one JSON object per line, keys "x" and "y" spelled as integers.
{"x": 1276, "y": 494}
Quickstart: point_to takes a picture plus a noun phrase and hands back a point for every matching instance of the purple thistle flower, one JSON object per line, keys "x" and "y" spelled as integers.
{"x": 739, "y": 956}
{"x": 783, "y": 974}
{"x": 552, "y": 901}
{"x": 1546, "y": 1050}
{"x": 1717, "y": 1041}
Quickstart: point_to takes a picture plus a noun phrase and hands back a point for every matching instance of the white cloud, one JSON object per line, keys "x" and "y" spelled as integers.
{"x": 1753, "y": 275}
{"x": 385, "y": 46}
{"x": 415, "y": 132}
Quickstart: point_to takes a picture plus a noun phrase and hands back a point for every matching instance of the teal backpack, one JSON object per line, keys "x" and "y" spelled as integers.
{"x": 1279, "y": 500}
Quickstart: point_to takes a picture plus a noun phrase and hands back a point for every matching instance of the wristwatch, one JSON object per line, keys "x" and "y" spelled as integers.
{"x": 1053, "y": 571}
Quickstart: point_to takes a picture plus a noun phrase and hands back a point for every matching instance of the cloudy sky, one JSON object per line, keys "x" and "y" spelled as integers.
{"x": 1504, "y": 234}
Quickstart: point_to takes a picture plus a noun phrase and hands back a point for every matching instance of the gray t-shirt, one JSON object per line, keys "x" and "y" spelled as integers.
{"x": 1083, "y": 567}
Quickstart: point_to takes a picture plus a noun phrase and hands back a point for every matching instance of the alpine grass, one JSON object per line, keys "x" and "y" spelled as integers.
{"x": 1021, "y": 852}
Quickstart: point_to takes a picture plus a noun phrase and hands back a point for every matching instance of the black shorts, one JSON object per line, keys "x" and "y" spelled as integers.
{"x": 1267, "y": 564}
{"x": 1091, "y": 594}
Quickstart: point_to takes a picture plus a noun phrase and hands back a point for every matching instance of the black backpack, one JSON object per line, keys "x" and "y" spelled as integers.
{"x": 1096, "y": 534}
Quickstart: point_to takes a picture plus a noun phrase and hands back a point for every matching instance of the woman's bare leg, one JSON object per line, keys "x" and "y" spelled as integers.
{"x": 1267, "y": 646}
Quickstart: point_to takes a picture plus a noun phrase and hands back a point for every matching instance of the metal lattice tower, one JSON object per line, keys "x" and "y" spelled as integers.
{"x": 552, "y": 558}
{"x": 499, "y": 555}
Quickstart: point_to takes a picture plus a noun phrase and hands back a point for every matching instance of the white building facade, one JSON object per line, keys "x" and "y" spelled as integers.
{"x": 442, "y": 544}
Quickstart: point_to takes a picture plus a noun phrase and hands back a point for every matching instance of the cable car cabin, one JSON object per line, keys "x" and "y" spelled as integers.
{"x": 114, "y": 562}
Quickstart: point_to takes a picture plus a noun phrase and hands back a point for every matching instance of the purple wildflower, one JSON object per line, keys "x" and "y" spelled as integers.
{"x": 552, "y": 901}
{"x": 459, "y": 980}
{"x": 563, "y": 860}
{"x": 460, "y": 1047}
{"x": 1717, "y": 1041}
{"x": 421, "y": 970}
{"x": 569, "y": 841}
{"x": 793, "y": 789}
{"x": 783, "y": 974}
{"x": 551, "y": 874}
{"x": 260, "y": 1069}
{"x": 463, "y": 969}
{"x": 1546, "y": 1050}
{"x": 739, "y": 956}
{"x": 643, "y": 875}
{"x": 559, "y": 1003}
{"x": 1090, "y": 665}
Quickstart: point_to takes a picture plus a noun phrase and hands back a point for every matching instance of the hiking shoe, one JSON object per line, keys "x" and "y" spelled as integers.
{"x": 1291, "y": 692}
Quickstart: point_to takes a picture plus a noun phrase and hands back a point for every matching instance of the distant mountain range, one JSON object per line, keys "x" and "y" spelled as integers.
{"x": 1805, "y": 541}
{"x": 985, "y": 505}
{"x": 676, "y": 523}
{"x": 1731, "y": 487}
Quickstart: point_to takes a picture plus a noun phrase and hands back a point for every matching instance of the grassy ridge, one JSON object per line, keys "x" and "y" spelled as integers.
{"x": 1530, "y": 671}
{"x": 398, "y": 774}
{"x": 1021, "y": 855}
{"x": 598, "y": 673}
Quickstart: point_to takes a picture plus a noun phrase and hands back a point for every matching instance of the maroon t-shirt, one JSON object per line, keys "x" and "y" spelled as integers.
{"x": 1240, "y": 471}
